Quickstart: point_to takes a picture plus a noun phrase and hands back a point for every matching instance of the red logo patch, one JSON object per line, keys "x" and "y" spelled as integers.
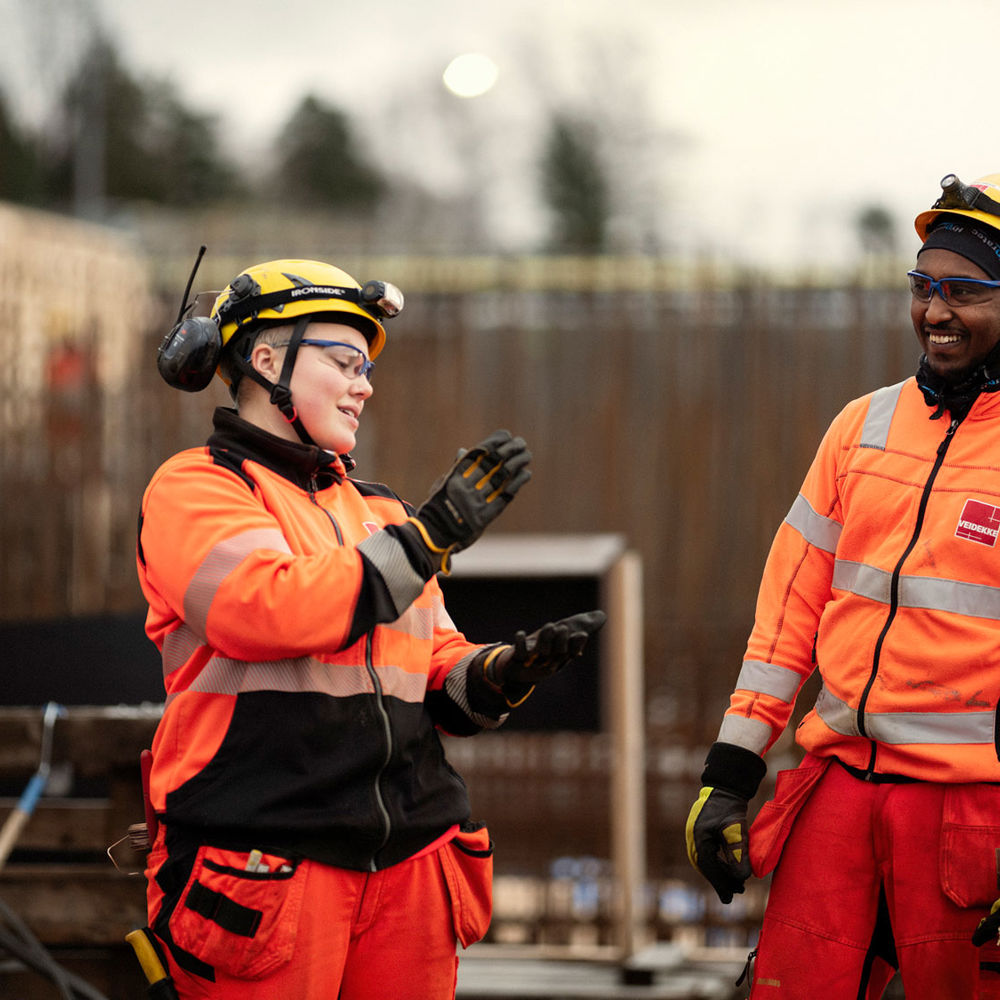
{"x": 979, "y": 522}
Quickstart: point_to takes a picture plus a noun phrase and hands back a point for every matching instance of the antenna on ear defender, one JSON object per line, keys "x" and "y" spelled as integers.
{"x": 189, "y": 354}
{"x": 187, "y": 289}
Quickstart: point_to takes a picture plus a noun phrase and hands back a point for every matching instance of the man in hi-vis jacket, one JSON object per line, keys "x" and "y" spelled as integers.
{"x": 884, "y": 577}
{"x": 313, "y": 842}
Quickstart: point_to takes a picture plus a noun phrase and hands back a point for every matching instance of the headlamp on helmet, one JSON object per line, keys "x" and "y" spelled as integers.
{"x": 979, "y": 200}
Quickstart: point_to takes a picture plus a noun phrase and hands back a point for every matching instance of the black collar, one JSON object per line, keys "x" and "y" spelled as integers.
{"x": 306, "y": 465}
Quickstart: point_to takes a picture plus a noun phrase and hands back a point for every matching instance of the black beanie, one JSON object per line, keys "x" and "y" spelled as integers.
{"x": 969, "y": 238}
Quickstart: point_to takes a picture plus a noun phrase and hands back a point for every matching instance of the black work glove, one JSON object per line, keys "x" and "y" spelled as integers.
{"x": 473, "y": 493}
{"x": 513, "y": 671}
{"x": 716, "y": 830}
{"x": 989, "y": 927}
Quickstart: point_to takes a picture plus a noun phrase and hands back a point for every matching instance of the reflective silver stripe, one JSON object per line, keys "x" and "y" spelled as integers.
{"x": 751, "y": 734}
{"x": 401, "y": 580}
{"x": 931, "y": 593}
{"x": 178, "y": 647}
{"x": 837, "y": 714}
{"x": 442, "y": 619}
{"x": 956, "y": 728}
{"x": 973, "y": 599}
{"x": 881, "y": 408}
{"x": 768, "y": 678}
{"x": 418, "y": 622}
{"x": 222, "y": 675}
{"x": 217, "y": 565}
{"x": 455, "y": 688}
{"x": 865, "y": 581}
{"x": 823, "y": 532}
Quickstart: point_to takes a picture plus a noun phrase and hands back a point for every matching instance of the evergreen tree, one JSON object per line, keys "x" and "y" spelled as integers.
{"x": 20, "y": 178}
{"x": 319, "y": 162}
{"x": 575, "y": 186}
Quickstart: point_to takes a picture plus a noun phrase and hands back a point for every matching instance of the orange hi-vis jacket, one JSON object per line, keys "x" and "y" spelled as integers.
{"x": 308, "y": 658}
{"x": 885, "y": 576}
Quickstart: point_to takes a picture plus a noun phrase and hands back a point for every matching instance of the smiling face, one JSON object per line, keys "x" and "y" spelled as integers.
{"x": 328, "y": 401}
{"x": 954, "y": 338}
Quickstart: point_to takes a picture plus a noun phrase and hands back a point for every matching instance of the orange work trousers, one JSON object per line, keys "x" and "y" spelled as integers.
{"x": 259, "y": 926}
{"x": 878, "y": 876}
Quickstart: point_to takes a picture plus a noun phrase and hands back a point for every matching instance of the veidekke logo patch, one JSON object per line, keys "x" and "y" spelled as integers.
{"x": 979, "y": 522}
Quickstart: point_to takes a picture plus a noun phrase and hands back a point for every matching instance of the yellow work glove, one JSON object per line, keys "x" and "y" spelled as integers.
{"x": 716, "y": 830}
{"x": 989, "y": 927}
{"x": 716, "y": 835}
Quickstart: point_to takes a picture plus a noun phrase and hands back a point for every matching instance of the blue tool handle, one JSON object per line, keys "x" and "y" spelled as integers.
{"x": 32, "y": 793}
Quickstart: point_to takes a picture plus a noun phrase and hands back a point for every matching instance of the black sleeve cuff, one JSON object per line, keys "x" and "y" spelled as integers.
{"x": 733, "y": 768}
{"x": 484, "y": 699}
{"x": 421, "y": 559}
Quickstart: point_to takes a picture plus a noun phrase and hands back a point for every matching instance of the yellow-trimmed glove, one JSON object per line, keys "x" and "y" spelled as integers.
{"x": 513, "y": 671}
{"x": 716, "y": 829}
{"x": 717, "y": 843}
{"x": 474, "y": 492}
{"x": 989, "y": 927}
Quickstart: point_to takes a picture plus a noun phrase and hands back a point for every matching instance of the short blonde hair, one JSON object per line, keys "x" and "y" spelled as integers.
{"x": 276, "y": 336}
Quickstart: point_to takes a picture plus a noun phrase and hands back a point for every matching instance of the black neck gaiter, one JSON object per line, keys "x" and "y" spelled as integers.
{"x": 958, "y": 396}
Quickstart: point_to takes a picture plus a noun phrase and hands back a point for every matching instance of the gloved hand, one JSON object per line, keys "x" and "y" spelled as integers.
{"x": 717, "y": 843}
{"x": 474, "y": 492}
{"x": 514, "y": 670}
{"x": 989, "y": 927}
{"x": 716, "y": 830}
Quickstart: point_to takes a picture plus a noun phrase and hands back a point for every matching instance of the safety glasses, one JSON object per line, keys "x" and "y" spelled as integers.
{"x": 346, "y": 357}
{"x": 953, "y": 291}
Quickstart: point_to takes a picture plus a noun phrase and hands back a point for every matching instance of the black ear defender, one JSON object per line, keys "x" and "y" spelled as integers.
{"x": 189, "y": 354}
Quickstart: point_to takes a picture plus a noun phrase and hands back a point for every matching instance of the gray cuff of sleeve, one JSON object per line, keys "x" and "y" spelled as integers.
{"x": 403, "y": 584}
{"x": 455, "y": 686}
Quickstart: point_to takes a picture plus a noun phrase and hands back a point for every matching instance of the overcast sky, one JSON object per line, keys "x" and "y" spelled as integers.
{"x": 759, "y": 126}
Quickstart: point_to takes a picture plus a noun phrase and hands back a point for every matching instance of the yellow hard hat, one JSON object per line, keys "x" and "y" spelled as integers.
{"x": 979, "y": 200}
{"x": 280, "y": 290}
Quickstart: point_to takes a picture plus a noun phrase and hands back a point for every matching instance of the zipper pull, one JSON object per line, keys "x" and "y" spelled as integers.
{"x": 948, "y": 434}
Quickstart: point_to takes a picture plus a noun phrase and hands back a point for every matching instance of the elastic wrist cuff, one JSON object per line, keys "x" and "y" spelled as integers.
{"x": 444, "y": 553}
{"x": 734, "y": 768}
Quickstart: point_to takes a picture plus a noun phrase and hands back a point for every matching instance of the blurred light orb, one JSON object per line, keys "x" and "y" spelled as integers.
{"x": 470, "y": 74}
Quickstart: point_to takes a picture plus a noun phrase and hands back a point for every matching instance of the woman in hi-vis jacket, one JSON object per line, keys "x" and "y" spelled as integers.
{"x": 313, "y": 842}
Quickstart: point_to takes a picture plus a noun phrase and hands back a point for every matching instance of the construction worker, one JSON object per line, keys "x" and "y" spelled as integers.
{"x": 884, "y": 577}
{"x": 313, "y": 841}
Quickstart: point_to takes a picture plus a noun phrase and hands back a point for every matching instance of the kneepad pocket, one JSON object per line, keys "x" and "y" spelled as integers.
{"x": 970, "y": 844}
{"x": 239, "y": 911}
{"x": 467, "y": 863}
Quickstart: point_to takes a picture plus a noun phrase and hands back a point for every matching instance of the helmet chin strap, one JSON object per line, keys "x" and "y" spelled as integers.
{"x": 281, "y": 393}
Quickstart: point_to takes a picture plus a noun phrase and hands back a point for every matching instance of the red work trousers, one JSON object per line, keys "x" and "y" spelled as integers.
{"x": 326, "y": 933}
{"x": 924, "y": 855}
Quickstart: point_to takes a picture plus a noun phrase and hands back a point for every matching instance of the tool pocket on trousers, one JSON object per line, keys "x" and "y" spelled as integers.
{"x": 970, "y": 844}
{"x": 773, "y": 823}
{"x": 239, "y": 911}
{"x": 467, "y": 863}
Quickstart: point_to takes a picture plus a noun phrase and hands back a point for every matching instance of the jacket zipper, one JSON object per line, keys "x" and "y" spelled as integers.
{"x": 894, "y": 586}
{"x": 312, "y": 496}
{"x": 379, "y": 699}
{"x": 387, "y": 727}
